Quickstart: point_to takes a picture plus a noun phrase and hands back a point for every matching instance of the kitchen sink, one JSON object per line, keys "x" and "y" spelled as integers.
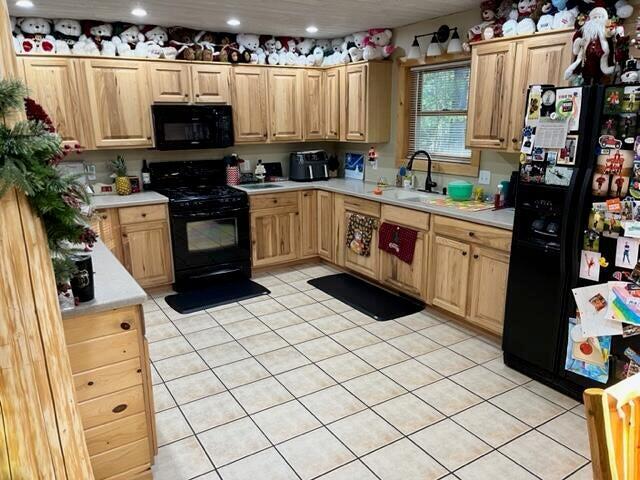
{"x": 260, "y": 186}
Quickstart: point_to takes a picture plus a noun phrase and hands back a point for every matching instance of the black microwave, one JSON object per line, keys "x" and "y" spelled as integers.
{"x": 182, "y": 127}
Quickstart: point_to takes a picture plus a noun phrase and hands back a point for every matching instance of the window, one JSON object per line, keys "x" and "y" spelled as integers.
{"x": 438, "y": 111}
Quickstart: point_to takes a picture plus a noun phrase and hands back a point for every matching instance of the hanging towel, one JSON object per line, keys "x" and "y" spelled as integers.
{"x": 360, "y": 232}
{"x": 398, "y": 241}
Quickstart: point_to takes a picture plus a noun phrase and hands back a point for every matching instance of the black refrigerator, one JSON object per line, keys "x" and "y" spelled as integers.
{"x": 559, "y": 182}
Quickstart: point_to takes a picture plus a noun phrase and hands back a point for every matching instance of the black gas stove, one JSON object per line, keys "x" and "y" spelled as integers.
{"x": 209, "y": 221}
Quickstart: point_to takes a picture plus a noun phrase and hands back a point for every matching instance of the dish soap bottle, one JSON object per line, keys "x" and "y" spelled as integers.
{"x": 260, "y": 171}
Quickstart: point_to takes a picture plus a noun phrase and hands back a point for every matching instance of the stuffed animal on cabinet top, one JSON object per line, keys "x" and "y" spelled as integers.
{"x": 35, "y": 35}
{"x": 67, "y": 33}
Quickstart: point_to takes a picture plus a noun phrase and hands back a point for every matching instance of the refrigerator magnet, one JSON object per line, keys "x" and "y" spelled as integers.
{"x": 567, "y": 154}
{"x": 590, "y": 265}
{"x": 612, "y": 100}
{"x": 600, "y": 184}
{"x": 533, "y": 105}
{"x": 627, "y": 126}
{"x": 538, "y": 154}
{"x": 619, "y": 186}
{"x": 631, "y": 99}
{"x": 591, "y": 241}
{"x": 627, "y": 252}
{"x": 556, "y": 175}
{"x": 568, "y": 101}
{"x": 548, "y": 105}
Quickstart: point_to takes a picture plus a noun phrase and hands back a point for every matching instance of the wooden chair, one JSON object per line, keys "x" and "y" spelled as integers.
{"x": 613, "y": 419}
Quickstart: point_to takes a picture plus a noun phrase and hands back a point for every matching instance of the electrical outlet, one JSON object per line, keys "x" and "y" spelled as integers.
{"x": 245, "y": 166}
{"x": 484, "y": 178}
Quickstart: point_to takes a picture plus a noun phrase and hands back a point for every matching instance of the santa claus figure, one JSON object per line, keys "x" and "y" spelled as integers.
{"x": 591, "y": 49}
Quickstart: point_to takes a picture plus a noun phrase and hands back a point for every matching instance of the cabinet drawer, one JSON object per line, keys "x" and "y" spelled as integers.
{"x": 103, "y": 351}
{"x": 115, "y": 434}
{"x": 86, "y": 327}
{"x": 260, "y": 202}
{"x": 359, "y": 205}
{"x": 473, "y": 232}
{"x": 146, "y": 213}
{"x": 142, "y": 472}
{"x": 109, "y": 379}
{"x": 111, "y": 407}
{"x": 121, "y": 459}
{"x": 406, "y": 216}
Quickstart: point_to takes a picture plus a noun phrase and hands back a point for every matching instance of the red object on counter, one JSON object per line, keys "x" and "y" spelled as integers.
{"x": 233, "y": 176}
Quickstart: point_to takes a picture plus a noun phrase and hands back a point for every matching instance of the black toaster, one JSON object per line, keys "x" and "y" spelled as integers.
{"x": 309, "y": 166}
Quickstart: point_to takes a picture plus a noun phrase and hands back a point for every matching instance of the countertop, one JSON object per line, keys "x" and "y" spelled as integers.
{"x": 114, "y": 286}
{"x": 394, "y": 196}
{"x": 133, "y": 200}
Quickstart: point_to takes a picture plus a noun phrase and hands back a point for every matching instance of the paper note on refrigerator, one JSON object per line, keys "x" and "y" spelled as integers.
{"x": 551, "y": 133}
{"x": 592, "y": 302}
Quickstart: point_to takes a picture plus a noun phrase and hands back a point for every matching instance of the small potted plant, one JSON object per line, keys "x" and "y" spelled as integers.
{"x": 123, "y": 183}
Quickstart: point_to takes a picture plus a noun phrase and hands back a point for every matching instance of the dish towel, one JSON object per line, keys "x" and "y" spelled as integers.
{"x": 360, "y": 232}
{"x": 398, "y": 241}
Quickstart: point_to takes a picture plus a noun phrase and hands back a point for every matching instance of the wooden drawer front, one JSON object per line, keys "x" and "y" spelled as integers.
{"x": 115, "y": 434}
{"x": 109, "y": 379}
{"x": 473, "y": 232}
{"x": 260, "y": 202}
{"x": 86, "y": 327}
{"x": 103, "y": 351}
{"x": 146, "y": 213}
{"x": 143, "y": 472}
{"x": 111, "y": 407}
{"x": 359, "y": 205}
{"x": 121, "y": 459}
{"x": 406, "y": 216}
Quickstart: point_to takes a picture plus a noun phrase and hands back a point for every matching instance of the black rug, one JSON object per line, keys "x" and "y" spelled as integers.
{"x": 367, "y": 298}
{"x": 231, "y": 291}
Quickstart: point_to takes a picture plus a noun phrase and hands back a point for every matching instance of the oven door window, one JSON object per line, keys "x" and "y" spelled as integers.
{"x": 215, "y": 234}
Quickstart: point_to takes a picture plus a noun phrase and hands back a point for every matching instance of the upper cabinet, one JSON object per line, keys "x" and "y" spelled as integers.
{"x": 501, "y": 72}
{"x": 210, "y": 83}
{"x": 249, "y": 101}
{"x": 118, "y": 103}
{"x": 356, "y": 102}
{"x": 313, "y": 108}
{"x": 170, "y": 82}
{"x": 332, "y": 102}
{"x": 53, "y": 83}
{"x": 285, "y": 103}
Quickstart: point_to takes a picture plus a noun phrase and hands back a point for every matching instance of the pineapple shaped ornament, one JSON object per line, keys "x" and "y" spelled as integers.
{"x": 123, "y": 183}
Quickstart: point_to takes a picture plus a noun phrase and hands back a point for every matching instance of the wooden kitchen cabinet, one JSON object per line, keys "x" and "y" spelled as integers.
{"x": 313, "y": 107}
{"x": 146, "y": 250}
{"x": 210, "y": 83}
{"x": 501, "y": 72}
{"x": 53, "y": 83}
{"x": 274, "y": 236}
{"x": 285, "y": 104}
{"x": 332, "y": 102}
{"x": 308, "y": 223}
{"x": 118, "y": 99}
{"x": 488, "y": 288}
{"x": 250, "y": 104}
{"x": 345, "y": 207}
{"x": 326, "y": 242}
{"x": 170, "y": 82}
{"x": 106, "y": 224}
{"x": 356, "y": 102}
{"x": 449, "y": 274}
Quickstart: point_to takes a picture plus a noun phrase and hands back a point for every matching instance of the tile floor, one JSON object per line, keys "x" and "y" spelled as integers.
{"x": 298, "y": 385}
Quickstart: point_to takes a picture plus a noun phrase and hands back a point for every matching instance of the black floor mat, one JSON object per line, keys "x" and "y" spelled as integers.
{"x": 367, "y": 298}
{"x": 231, "y": 291}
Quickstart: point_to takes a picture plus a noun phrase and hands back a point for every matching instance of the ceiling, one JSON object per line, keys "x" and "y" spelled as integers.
{"x": 279, "y": 17}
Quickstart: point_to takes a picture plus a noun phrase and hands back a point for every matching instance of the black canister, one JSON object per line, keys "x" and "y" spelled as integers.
{"x": 82, "y": 280}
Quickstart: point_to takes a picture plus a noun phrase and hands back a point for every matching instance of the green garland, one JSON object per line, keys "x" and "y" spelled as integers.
{"x": 29, "y": 153}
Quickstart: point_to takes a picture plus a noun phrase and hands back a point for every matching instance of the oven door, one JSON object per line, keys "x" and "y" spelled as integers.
{"x": 210, "y": 241}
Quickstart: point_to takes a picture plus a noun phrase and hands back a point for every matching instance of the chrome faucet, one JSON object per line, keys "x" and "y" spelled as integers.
{"x": 429, "y": 183}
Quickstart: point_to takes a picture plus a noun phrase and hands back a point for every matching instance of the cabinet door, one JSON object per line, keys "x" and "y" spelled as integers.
{"x": 356, "y": 102}
{"x": 326, "y": 239}
{"x": 449, "y": 274}
{"x": 404, "y": 277}
{"x": 308, "y": 224}
{"x": 107, "y": 225}
{"x": 539, "y": 59}
{"x": 250, "y": 104}
{"x": 285, "y": 104}
{"x": 367, "y": 266}
{"x": 170, "y": 82}
{"x": 488, "y": 285}
{"x": 118, "y": 102}
{"x": 490, "y": 93}
{"x": 314, "y": 104}
{"x": 274, "y": 236}
{"x": 147, "y": 253}
{"x": 210, "y": 83}
{"x": 332, "y": 104}
{"x": 52, "y": 82}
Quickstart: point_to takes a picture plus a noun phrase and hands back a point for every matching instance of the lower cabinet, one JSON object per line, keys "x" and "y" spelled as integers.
{"x": 107, "y": 225}
{"x": 308, "y": 224}
{"x": 488, "y": 280}
{"x": 449, "y": 274}
{"x": 274, "y": 236}
{"x": 110, "y": 367}
{"x": 326, "y": 242}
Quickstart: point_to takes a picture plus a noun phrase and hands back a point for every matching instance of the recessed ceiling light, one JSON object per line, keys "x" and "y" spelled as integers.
{"x": 312, "y": 29}
{"x": 234, "y": 22}
{"x": 139, "y": 12}
{"x": 24, "y": 4}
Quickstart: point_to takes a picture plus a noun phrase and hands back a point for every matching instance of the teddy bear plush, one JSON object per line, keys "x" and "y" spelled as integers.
{"x": 67, "y": 33}
{"x": 130, "y": 42}
{"x": 527, "y": 15}
{"x": 305, "y": 46}
{"x": 182, "y": 39}
{"x": 35, "y": 35}
{"x": 101, "y": 34}
{"x": 15, "y": 31}
{"x": 356, "y": 52}
{"x": 381, "y": 38}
